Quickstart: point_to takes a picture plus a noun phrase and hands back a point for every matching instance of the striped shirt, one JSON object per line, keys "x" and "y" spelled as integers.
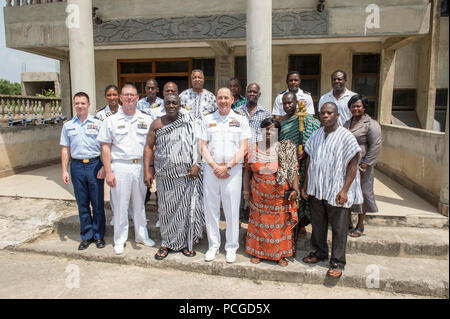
{"x": 328, "y": 163}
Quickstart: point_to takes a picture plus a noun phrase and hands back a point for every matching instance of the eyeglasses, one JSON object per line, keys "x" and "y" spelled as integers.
{"x": 129, "y": 95}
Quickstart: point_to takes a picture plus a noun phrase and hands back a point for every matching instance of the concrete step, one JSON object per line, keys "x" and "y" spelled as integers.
{"x": 376, "y": 240}
{"x": 403, "y": 219}
{"x": 393, "y": 274}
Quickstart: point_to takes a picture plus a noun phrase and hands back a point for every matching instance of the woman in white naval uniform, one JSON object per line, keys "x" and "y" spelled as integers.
{"x": 223, "y": 142}
{"x": 112, "y": 97}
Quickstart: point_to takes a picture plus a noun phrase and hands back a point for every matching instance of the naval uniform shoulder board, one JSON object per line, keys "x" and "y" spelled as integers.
{"x": 145, "y": 112}
{"x": 309, "y": 93}
{"x": 239, "y": 112}
{"x": 101, "y": 109}
{"x": 282, "y": 92}
{"x": 154, "y": 105}
{"x": 208, "y": 113}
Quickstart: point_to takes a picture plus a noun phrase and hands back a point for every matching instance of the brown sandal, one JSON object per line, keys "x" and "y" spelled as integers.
{"x": 313, "y": 259}
{"x": 162, "y": 253}
{"x": 188, "y": 253}
{"x": 282, "y": 262}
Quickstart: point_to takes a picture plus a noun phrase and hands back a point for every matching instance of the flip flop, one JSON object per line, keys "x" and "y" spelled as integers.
{"x": 162, "y": 253}
{"x": 357, "y": 232}
{"x": 255, "y": 260}
{"x": 282, "y": 262}
{"x": 188, "y": 253}
{"x": 334, "y": 273}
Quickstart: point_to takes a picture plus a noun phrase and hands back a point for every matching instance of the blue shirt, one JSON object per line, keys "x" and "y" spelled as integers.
{"x": 82, "y": 137}
{"x": 143, "y": 105}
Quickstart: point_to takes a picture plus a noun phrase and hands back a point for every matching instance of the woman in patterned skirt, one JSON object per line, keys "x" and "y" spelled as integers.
{"x": 269, "y": 173}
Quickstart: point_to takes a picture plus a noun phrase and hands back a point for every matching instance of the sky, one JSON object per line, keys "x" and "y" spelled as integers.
{"x": 12, "y": 62}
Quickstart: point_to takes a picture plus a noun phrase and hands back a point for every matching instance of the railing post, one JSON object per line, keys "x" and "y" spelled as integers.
{"x": 23, "y": 111}
{"x": 10, "y": 109}
{"x": 41, "y": 109}
{"x": 1, "y": 112}
{"x": 8, "y": 3}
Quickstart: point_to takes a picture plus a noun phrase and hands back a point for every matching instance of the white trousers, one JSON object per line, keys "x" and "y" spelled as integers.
{"x": 128, "y": 195}
{"x": 228, "y": 191}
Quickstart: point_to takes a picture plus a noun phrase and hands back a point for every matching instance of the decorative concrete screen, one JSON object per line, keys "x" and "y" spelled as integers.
{"x": 286, "y": 24}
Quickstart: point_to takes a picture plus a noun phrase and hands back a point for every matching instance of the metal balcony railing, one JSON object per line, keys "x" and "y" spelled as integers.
{"x": 22, "y": 3}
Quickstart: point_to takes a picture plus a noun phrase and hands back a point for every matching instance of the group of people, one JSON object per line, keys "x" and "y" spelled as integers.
{"x": 206, "y": 152}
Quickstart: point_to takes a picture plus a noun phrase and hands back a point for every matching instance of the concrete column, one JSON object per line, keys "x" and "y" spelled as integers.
{"x": 259, "y": 48}
{"x": 426, "y": 82}
{"x": 66, "y": 94}
{"x": 443, "y": 201}
{"x": 224, "y": 63}
{"x": 81, "y": 47}
{"x": 387, "y": 77}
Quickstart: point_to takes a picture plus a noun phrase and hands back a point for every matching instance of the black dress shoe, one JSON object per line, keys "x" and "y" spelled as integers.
{"x": 100, "y": 243}
{"x": 85, "y": 244}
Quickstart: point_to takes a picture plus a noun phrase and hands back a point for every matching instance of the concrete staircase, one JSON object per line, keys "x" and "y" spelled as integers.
{"x": 397, "y": 253}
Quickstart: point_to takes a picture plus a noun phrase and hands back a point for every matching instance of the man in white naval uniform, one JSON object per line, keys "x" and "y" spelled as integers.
{"x": 339, "y": 95}
{"x": 123, "y": 137}
{"x": 293, "y": 82}
{"x": 223, "y": 141}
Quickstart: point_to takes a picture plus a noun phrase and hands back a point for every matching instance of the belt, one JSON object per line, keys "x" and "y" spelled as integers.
{"x": 86, "y": 160}
{"x": 131, "y": 161}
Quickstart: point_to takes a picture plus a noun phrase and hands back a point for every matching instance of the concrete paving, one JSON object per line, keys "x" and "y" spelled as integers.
{"x": 418, "y": 276}
{"x": 54, "y": 278}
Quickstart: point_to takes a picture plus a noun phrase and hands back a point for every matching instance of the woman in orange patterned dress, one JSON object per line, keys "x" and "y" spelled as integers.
{"x": 268, "y": 174}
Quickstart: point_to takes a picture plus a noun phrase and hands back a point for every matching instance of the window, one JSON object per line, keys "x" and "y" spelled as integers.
{"x": 444, "y": 8}
{"x": 404, "y": 100}
{"x": 366, "y": 68}
{"x": 137, "y": 72}
{"x": 240, "y": 71}
{"x": 441, "y": 99}
{"x": 440, "y": 112}
{"x": 309, "y": 66}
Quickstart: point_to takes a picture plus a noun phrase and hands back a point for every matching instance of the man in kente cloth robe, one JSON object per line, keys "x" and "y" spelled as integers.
{"x": 175, "y": 164}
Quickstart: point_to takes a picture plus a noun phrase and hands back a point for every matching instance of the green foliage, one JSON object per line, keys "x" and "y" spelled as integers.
{"x": 10, "y": 88}
{"x": 47, "y": 93}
